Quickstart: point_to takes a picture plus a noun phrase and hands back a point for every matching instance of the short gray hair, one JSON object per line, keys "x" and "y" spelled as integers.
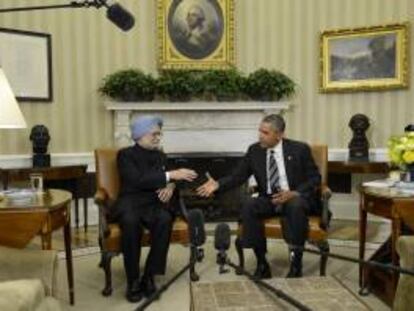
{"x": 276, "y": 121}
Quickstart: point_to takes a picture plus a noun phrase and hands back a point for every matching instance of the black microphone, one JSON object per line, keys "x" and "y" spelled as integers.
{"x": 196, "y": 227}
{"x": 222, "y": 244}
{"x": 118, "y": 15}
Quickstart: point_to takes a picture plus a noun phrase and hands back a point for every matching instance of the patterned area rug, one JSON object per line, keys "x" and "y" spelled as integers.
{"x": 316, "y": 293}
{"x": 89, "y": 278}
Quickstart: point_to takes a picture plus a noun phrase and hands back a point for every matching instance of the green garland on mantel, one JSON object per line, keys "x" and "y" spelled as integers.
{"x": 133, "y": 85}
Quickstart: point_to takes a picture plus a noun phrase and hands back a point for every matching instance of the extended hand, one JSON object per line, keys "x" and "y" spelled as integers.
{"x": 165, "y": 194}
{"x": 208, "y": 188}
{"x": 183, "y": 174}
{"x": 283, "y": 196}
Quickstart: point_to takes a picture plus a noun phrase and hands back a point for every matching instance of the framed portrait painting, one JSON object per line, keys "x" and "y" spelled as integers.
{"x": 26, "y": 59}
{"x": 364, "y": 59}
{"x": 195, "y": 34}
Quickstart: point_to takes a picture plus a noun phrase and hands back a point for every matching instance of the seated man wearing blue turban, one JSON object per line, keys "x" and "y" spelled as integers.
{"x": 146, "y": 188}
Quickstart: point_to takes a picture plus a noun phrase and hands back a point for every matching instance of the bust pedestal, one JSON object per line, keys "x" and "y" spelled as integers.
{"x": 41, "y": 160}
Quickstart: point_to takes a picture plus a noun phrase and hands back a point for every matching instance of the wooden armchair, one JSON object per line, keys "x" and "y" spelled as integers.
{"x": 318, "y": 224}
{"x": 107, "y": 185}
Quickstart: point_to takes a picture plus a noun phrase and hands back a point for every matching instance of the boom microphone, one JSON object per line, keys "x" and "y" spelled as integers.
{"x": 196, "y": 227}
{"x": 118, "y": 15}
{"x": 222, "y": 244}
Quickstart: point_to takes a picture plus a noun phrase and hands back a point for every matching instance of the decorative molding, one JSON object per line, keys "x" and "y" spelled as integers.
{"x": 196, "y": 125}
{"x": 25, "y": 160}
{"x": 199, "y": 106}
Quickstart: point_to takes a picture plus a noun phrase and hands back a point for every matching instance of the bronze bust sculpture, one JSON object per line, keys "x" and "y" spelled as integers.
{"x": 409, "y": 128}
{"x": 359, "y": 145}
{"x": 40, "y": 138}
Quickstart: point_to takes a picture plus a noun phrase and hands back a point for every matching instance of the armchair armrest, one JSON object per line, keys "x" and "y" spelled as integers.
{"x": 101, "y": 199}
{"x": 326, "y": 215}
{"x": 326, "y": 192}
{"x": 100, "y": 196}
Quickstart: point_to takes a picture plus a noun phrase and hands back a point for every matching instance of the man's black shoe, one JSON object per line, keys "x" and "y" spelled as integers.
{"x": 294, "y": 272}
{"x": 147, "y": 285}
{"x": 134, "y": 293}
{"x": 263, "y": 271}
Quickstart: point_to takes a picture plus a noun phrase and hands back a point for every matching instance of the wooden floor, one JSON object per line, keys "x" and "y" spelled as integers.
{"x": 340, "y": 230}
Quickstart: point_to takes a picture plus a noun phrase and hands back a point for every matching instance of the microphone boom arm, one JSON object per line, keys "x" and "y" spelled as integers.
{"x": 73, "y": 4}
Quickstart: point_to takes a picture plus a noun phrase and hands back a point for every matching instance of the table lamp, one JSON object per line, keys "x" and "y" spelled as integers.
{"x": 10, "y": 115}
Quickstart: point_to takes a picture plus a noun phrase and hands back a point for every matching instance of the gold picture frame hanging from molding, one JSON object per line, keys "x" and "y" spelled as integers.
{"x": 365, "y": 59}
{"x": 195, "y": 34}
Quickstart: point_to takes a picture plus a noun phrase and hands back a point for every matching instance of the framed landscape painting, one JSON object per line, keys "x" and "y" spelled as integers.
{"x": 364, "y": 59}
{"x": 195, "y": 34}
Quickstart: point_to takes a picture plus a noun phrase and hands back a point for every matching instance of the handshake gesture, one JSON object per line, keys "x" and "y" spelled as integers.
{"x": 208, "y": 188}
{"x": 205, "y": 190}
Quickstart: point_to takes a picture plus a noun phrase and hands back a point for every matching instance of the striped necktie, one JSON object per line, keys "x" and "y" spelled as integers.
{"x": 273, "y": 173}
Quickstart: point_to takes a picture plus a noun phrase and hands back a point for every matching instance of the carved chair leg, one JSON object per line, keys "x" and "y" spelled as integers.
{"x": 194, "y": 277}
{"x": 240, "y": 254}
{"x": 324, "y": 248}
{"x": 106, "y": 259}
{"x": 101, "y": 262}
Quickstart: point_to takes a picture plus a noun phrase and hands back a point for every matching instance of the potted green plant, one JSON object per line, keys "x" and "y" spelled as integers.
{"x": 268, "y": 85}
{"x": 224, "y": 85}
{"x": 129, "y": 85}
{"x": 179, "y": 85}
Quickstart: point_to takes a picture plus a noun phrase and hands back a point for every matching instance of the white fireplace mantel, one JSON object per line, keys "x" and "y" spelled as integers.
{"x": 197, "y": 126}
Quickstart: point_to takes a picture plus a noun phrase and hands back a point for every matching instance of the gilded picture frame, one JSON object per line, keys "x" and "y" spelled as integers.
{"x": 365, "y": 59}
{"x": 195, "y": 34}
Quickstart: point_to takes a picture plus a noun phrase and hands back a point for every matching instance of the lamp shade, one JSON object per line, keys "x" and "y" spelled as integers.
{"x": 10, "y": 114}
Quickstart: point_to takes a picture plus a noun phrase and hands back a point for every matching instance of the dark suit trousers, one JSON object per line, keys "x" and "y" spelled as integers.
{"x": 133, "y": 219}
{"x": 294, "y": 221}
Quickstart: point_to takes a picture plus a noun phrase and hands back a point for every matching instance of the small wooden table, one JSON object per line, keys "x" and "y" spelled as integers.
{"x": 42, "y": 215}
{"x": 340, "y": 173}
{"x": 391, "y": 204}
{"x": 66, "y": 177}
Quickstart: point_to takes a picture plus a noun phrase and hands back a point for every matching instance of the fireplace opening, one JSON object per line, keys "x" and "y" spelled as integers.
{"x": 221, "y": 207}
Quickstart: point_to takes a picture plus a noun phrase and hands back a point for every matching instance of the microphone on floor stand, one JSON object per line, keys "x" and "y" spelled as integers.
{"x": 197, "y": 234}
{"x": 222, "y": 244}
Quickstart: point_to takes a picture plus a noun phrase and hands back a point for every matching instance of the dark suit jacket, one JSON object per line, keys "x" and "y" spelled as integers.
{"x": 301, "y": 171}
{"x": 141, "y": 173}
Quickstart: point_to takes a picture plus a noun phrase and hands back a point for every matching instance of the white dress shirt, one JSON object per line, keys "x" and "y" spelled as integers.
{"x": 278, "y": 154}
